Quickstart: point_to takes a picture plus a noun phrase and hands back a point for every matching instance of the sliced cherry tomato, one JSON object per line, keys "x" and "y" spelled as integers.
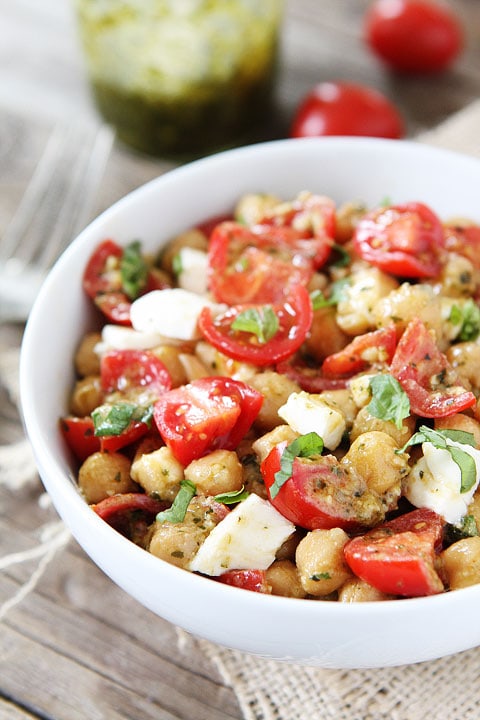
{"x": 373, "y": 347}
{"x": 98, "y": 277}
{"x": 341, "y": 108}
{"x": 259, "y": 264}
{"x": 294, "y": 320}
{"x": 134, "y": 372}
{"x": 209, "y": 225}
{"x": 413, "y": 36}
{"x": 115, "y": 306}
{"x": 427, "y": 377}
{"x": 207, "y": 414}
{"x": 134, "y": 432}
{"x": 79, "y": 434}
{"x": 309, "y": 378}
{"x": 254, "y": 580}
{"x": 321, "y": 494}
{"x": 130, "y": 513}
{"x": 464, "y": 240}
{"x": 405, "y": 240}
{"x": 398, "y": 557}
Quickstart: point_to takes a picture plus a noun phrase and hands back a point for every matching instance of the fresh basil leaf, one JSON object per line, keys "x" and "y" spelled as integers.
{"x": 343, "y": 256}
{"x": 235, "y": 496}
{"x": 468, "y": 468}
{"x": 468, "y": 316}
{"x": 260, "y": 321}
{"x": 111, "y": 420}
{"x": 133, "y": 270}
{"x": 177, "y": 266}
{"x": 389, "y": 400}
{"x": 303, "y": 446}
{"x": 460, "y": 436}
{"x": 320, "y": 576}
{"x": 337, "y": 293}
{"x": 467, "y": 527}
{"x": 176, "y": 513}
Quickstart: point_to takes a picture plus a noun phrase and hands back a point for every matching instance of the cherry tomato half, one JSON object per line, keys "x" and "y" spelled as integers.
{"x": 79, "y": 434}
{"x": 258, "y": 264}
{"x": 427, "y": 377}
{"x": 294, "y": 320}
{"x": 398, "y": 557}
{"x": 207, "y": 414}
{"x": 405, "y": 240}
{"x": 377, "y": 346}
{"x": 320, "y": 493}
{"x": 134, "y": 373}
{"x": 413, "y": 36}
{"x": 464, "y": 240}
{"x": 130, "y": 513}
{"x": 254, "y": 580}
{"x": 341, "y": 108}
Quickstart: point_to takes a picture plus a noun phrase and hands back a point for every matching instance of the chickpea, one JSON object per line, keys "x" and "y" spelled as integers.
{"x": 218, "y": 472}
{"x": 275, "y": 389}
{"x": 356, "y": 590}
{"x": 265, "y": 443}
{"x": 320, "y": 562}
{"x": 159, "y": 473}
{"x": 408, "y": 302}
{"x": 86, "y": 396}
{"x": 104, "y": 474}
{"x": 347, "y": 217}
{"x": 178, "y": 543}
{"x": 191, "y": 238}
{"x": 326, "y": 336}
{"x": 373, "y": 456}
{"x": 457, "y": 277}
{"x": 461, "y": 563}
{"x": 356, "y": 312}
{"x": 87, "y": 362}
{"x": 364, "y": 422}
{"x": 282, "y": 576}
{"x": 170, "y": 356}
{"x": 254, "y": 207}
{"x": 464, "y": 357}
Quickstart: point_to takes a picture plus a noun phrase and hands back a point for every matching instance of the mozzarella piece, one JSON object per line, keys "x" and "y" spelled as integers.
{"x": 360, "y": 389}
{"x": 193, "y": 270}
{"x": 117, "y": 337}
{"x": 246, "y": 539}
{"x": 309, "y": 413}
{"x": 435, "y": 480}
{"x": 172, "y": 312}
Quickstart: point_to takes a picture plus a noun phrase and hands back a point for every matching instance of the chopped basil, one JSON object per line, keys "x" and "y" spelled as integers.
{"x": 343, "y": 258}
{"x": 133, "y": 269}
{"x": 235, "y": 496}
{"x": 320, "y": 576}
{"x": 303, "y": 446}
{"x": 389, "y": 400}
{"x": 176, "y": 513}
{"x": 468, "y": 317}
{"x": 177, "y": 266}
{"x": 260, "y": 321}
{"x": 337, "y": 292}
{"x": 438, "y": 438}
{"x": 114, "y": 419}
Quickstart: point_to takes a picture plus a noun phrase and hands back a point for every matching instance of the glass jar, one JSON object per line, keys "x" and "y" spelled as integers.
{"x": 182, "y": 77}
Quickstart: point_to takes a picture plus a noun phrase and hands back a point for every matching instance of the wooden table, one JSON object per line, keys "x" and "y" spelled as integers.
{"x": 77, "y": 647}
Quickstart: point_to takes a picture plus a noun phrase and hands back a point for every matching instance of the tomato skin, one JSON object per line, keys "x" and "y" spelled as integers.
{"x": 133, "y": 371}
{"x": 398, "y": 557}
{"x": 413, "y": 36}
{"x": 418, "y": 365}
{"x": 208, "y": 414}
{"x": 351, "y": 360}
{"x": 465, "y": 241}
{"x": 341, "y": 108}
{"x": 300, "y": 501}
{"x": 79, "y": 434}
{"x": 258, "y": 265}
{"x": 129, "y": 513}
{"x": 253, "y": 580}
{"x": 308, "y": 378}
{"x": 405, "y": 240}
{"x": 295, "y": 318}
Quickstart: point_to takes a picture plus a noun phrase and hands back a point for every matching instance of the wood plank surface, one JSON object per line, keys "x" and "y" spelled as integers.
{"x": 77, "y": 647}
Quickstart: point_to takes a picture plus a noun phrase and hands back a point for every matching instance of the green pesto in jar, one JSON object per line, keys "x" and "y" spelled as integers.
{"x": 182, "y": 77}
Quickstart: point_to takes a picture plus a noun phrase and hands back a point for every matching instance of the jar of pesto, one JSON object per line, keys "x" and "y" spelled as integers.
{"x": 182, "y": 77}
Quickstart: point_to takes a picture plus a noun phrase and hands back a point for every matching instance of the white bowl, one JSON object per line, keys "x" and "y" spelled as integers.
{"x": 325, "y": 634}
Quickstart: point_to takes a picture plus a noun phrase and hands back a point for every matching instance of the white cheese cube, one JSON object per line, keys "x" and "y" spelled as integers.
{"x": 246, "y": 539}
{"x": 309, "y": 413}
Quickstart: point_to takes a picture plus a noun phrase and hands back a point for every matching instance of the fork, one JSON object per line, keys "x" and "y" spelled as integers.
{"x": 54, "y": 208}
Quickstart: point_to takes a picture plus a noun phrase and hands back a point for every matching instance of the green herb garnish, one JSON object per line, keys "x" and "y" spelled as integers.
{"x": 303, "y": 446}
{"x": 176, "y": 513}
{"x": 343, "y": 256}
{"x": 468, "y": 317}
{"x": 114, "y": 419}
{"x": 177, "y": 266}
{"x": 337, "y": 293}
{"x": 464, "y": 460}
{"x": 232, "y": 497}
{"x": 389, "y": 400}
{"x": 133, "y": 270}
{"x": 261, "y": 321}
{"x": 320, "y": 576}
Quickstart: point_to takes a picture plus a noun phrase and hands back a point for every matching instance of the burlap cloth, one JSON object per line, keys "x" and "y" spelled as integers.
{"x": 444, "y": 689}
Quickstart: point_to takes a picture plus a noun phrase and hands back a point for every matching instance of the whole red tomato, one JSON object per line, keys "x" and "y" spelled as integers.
{"x": 342, "y": 108}
{"x": 413, "y": 36}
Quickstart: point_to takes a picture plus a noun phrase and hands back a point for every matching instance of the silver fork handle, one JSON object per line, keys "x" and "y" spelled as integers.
{"x": 19, "y": 286}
